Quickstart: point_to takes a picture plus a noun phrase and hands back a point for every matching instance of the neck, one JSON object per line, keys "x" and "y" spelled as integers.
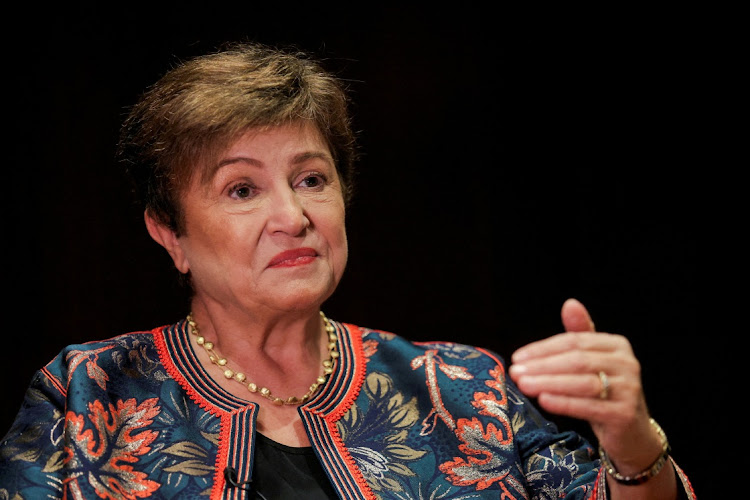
{"x": 269, "y": 361}
{"x": 259, "y": 329}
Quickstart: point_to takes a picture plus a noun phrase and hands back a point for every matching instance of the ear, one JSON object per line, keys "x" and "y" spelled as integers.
{"x": 169, "y": 240}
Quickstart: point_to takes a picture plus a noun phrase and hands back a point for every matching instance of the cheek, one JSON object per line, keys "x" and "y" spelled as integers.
{"x": 342, "y": 255}
{"x": 335, "y": 231}
{"x": 218, "y": 239}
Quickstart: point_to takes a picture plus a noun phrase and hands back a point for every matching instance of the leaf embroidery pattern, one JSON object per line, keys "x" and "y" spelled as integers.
{"x": 485, "y": 448}
{"x": 377, "y": 436}
{"x": 431, "y": 360}
{"x": 102, "y": 450}
{"x": 93, "y": 370}
{"x": 195, "y": 459}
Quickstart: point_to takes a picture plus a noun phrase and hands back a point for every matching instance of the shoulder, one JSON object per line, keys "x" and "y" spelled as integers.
{"x": 389, "y": 347}
{"x": 74, "y": 353}
{"x": 96, "y": 360}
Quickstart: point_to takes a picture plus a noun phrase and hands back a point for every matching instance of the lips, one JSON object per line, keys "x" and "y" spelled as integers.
{"x": 294, "y": 257}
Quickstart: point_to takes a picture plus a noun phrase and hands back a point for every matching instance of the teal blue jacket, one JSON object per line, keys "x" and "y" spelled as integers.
{"x": 137, "y": 416}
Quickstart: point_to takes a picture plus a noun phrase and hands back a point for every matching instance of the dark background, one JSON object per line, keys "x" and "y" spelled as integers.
{"x": 509, "y": 162}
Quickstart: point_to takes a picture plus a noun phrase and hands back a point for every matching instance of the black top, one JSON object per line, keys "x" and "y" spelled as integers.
{"x": 286, "y": 472}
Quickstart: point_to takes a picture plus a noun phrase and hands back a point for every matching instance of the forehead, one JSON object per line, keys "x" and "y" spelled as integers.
{"x": 280, "y": 141}
{"x": 259, "y": 143}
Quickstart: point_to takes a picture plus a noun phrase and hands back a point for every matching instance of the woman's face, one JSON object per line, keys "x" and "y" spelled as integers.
{"x": 268, "y": 228}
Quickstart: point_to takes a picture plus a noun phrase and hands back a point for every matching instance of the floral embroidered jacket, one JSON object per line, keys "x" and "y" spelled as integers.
{"x": 137, "y": 416}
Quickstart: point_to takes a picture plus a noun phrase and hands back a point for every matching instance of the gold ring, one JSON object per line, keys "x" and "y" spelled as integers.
{"x": 604, "y": 392}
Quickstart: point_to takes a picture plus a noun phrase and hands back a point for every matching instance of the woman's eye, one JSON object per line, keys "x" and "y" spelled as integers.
{"x": 241, "y": 191}
{"x": 313, "y": 181}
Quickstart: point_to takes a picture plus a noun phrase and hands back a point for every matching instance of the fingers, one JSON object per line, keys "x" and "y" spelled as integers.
{"x": 564, "y": 362}
{"x": 586, "y": 385}
{"x": 587, "y": 375}
{"x": 577, "y": 375}
{"x": 575, "y": 317}
{"x": 571, "y": 342}
{"x": 563, "y": 371}
{"x": 580, "y": 395}
{"x": 575, "y": 354}
{"x": 595, "y": 411}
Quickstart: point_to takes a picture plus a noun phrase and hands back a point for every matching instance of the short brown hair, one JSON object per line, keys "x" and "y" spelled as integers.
{"x": 201, "y": 105}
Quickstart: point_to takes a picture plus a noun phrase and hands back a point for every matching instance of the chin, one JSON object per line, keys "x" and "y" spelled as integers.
{"x": 304, "y": 299}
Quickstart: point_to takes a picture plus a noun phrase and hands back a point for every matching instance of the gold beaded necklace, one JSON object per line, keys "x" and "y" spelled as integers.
{"x": 265, "y": 391}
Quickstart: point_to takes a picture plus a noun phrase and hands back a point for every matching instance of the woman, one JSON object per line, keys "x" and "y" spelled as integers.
{"x": 244, "y": 161}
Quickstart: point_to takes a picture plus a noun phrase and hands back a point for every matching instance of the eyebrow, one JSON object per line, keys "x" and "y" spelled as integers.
{"x": 296, "y": 159}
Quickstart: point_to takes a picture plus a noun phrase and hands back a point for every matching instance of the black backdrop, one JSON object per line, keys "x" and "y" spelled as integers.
{"x": 508, "y": 163}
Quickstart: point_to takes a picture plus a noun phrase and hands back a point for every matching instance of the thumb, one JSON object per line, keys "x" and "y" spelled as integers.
{"x": 575, "y": 317}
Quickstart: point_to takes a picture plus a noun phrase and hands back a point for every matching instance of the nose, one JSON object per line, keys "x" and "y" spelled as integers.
{"x": 287, "y": 213}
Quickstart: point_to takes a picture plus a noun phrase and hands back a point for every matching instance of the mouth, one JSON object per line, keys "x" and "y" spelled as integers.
{"x": 295, "y": 257}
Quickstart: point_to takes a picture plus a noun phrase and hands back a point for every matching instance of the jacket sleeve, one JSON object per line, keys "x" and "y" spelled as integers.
{"x": 563, "y": 464}
{"x": 551, "y": 457}
{"x": 31, "y": 453}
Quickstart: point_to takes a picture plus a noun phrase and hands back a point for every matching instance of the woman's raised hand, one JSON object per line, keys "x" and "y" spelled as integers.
{"x": 592, "y": 376}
